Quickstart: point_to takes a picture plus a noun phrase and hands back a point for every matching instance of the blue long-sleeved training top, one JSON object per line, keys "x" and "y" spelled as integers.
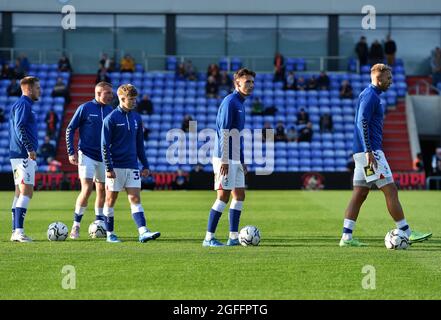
{"x": 122, "y": 142}
{"x": 23, "y": 131}
{"x": 231, "y": 115}
{"x": 369, "y": 117}
{"x": 89, "y": 118}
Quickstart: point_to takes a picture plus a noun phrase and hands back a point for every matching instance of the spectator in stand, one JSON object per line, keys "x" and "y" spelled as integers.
{"x": 7, "y": 72}
{"x": 19, "y": 71}
{"x": 24, "y": 63}
{"x": 213, "y": 70}
{"x": 291, "y": 135}
{"x": 211, "y": 88}
{"x": 435, "y": 64}
{"x": 266, "y": 126}
{"x": 64, "y": 64}
{"x": 2, "y": 115}
{"x": 346, "y": 90}
{"x": 186, "y": 123}
{"x": 390, "y": 49}
{"x": 436, "y": 162}
{"x": 361, "y": 48}
{"x": 225, "y": 82}
{"x": 145, "y": 106}
{"x": 47, "y": 149}
{"x": 180, "y": 72}
{"x": 190, "y": 70}
{"x": 323, "y": 81}
{"x": 290, "y": 81}
{"x": 376, "y": 54}
{"x": 312, "y": 83}
{"x": 54, "y": 166}
{"x": 418, "y": 163}
{"x": 51, "y": 123}
{"x": 301, "y": 84}
{"x": 279, "y": 67}
{"x": 280, "y": 134}
{"x": 13, "y": 90}
{"x": 180, "y": 181}
{"x": 102, "y": 76}
{"x": 105, "y": 62}
{"x": 302, "y": 117}
{"x": 127, "y": 64}
{"x": 257, "y": 107}
{"x": 305, "y": 134}
{"x": 61, "y": 90}
{"x": 326, "y": 124}
{"x": 112, "y": 65}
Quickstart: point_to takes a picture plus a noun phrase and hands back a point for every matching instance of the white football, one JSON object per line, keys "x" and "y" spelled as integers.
{"x": 57, "y": 231}
{"x": 97, "y": 229}
{"x": 396, "y": 239}
{"x": 249, "y": 236}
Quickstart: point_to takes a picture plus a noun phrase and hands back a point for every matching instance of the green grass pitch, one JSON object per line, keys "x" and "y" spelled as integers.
{"x": 298, "y": 257}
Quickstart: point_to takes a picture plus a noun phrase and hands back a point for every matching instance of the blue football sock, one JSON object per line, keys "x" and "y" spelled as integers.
{"x": 234, "y": 218}
{"x": 139, "y": 219}
{"x": 213, "y": 220}
{"x": 20, "y": 214}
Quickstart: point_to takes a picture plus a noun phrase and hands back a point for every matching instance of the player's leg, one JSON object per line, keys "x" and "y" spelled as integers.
{"x": 222, "y": 185}
{"x": 109, "y": 213}
{"x": 112, "y": 187}
{"x": 81, "y": 205}
{"x": 359, "y": 195}
{"x": 100, "y": 179}
{"x": 236, "y": 206}
{"x": 396, "y": 211}
{"x": 86, "y": 172}
{"x": 24, "y": 178}
{"x": 100, "y": 200}
{"x": 134, "y": 196}
{"x": 14, "y": 201}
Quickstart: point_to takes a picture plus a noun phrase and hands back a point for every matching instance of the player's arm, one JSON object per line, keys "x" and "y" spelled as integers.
{"x": 70, "y": 133}
{"x": 226, "y": 122}
{"x": 22, "y": 115}
{"x": 365, "y": 111}
{"x": 140, "y": 150}
{"x": 106, "y": 140}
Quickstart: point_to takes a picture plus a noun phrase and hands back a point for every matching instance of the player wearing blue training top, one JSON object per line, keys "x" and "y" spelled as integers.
{"x": 228, "y": 159}
{"x": 121, "y": 146}
{"x": 23, "y": 146}
{"x": 371, "y": 166}
{"x": 89, "y": 119}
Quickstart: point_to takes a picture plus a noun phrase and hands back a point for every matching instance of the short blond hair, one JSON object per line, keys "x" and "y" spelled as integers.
{"x": 127, "y": 90}
{"x": 103, "y": 84}
{"x": 381, "y": 68}
{"x": 29, "y": 81}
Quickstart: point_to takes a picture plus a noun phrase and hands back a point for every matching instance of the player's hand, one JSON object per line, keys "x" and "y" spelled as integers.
{"x": 224, "y": 169}
{"x": 372, "y": 162}
{"x": 145, "y": 173}
{"x": 110, "y": 174}
{"x": 73, "y": 159}
{"x": 244, "y": 167}
{"x": 32, "y": 155}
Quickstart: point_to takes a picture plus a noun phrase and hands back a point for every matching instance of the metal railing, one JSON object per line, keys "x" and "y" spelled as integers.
{"x": 423, "y": 84}
{"x": 34, "y": 55}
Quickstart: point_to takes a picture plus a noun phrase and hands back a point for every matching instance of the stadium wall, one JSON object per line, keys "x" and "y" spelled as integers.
{"x": 226, "y": 6}
{"x": 204, "y": 181}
